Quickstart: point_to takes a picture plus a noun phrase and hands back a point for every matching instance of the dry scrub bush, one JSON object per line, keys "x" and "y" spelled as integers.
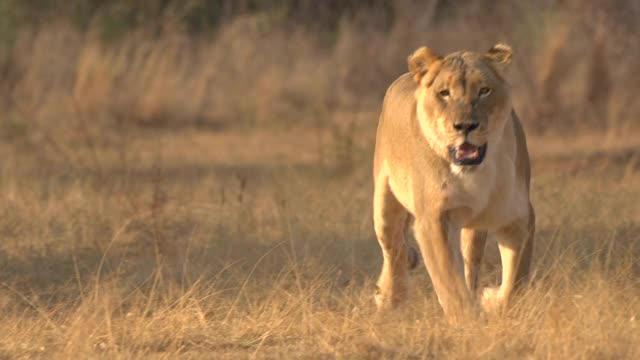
{"x": 256, "y": 70}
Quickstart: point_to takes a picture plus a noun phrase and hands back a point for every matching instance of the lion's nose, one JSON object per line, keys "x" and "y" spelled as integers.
{"x": 466, "y": 127}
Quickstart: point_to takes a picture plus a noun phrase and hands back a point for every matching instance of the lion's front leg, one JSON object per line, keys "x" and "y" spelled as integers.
{"x": 389, "y": 219}
{"x": 440, "y": 246}
{"x": 516, "y": 246}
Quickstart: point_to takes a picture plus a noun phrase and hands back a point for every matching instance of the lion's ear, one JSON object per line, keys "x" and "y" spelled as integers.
{"x": 501, "y": 54}
{"x": 420, "y": 61}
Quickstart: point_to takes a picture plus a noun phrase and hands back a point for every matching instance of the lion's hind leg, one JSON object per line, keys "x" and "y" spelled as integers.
{"x": 390, "y": 221}
{"x": 413, "y": 254}
{"x": 472, "y": 243}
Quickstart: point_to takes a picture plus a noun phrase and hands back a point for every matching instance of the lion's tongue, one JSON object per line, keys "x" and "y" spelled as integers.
{"x": 468, "y": 151}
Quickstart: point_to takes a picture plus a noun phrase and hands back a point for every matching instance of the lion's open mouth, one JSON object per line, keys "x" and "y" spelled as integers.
{"x": 468, "y": 154}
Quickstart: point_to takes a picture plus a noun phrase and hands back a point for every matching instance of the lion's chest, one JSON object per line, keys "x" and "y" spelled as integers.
{"x": 488, "y": 198}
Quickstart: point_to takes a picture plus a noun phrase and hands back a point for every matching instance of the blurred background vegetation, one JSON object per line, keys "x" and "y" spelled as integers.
{"x": 188, "y": 177}
{"x": 257, "y": 64}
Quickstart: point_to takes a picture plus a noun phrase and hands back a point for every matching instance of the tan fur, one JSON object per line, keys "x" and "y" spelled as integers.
{"x": 454, "y": 205}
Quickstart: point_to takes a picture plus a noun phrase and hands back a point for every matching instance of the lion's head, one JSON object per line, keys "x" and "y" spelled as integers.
{"x": 463, "y": 100}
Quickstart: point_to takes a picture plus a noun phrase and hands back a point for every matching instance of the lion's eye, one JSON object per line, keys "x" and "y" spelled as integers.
{"x": 484, "y": 91}
{"x": 444, "y": 93}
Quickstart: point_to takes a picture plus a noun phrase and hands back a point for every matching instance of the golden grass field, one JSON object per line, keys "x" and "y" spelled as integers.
{"x": 173, "y": 197}
{"x": 230, "y": 245}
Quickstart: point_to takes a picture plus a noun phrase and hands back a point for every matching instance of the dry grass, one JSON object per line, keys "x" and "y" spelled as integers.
{"x": 571, "y": 72}
{"x": 172, "y": 197}
{"x": 180, "y": 252}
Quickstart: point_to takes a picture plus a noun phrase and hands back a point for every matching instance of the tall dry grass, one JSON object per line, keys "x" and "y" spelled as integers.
{"x": 184, "y": 256}
{"x": 571, "y": 72}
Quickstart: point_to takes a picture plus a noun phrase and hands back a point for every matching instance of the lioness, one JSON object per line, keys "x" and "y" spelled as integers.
{"x": 451, "y": 153}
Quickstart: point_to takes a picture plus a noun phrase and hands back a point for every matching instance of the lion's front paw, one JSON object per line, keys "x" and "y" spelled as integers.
{"x": 387, "y": 298}
{"x": 492, "y": 299}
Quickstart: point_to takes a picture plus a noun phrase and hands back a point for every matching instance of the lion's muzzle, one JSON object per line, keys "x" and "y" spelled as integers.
{"x": 467, "y": 154}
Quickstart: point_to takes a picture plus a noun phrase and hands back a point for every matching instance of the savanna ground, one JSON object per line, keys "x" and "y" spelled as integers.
{"x": 166, "y": 194}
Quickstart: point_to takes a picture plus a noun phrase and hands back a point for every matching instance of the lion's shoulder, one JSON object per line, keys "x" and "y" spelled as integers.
{"x": 403, "y": 84}
{"x": 399, "y": 98}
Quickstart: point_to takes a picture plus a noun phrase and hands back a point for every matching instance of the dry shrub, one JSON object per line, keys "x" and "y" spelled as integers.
{"x": 258, "y": 71}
